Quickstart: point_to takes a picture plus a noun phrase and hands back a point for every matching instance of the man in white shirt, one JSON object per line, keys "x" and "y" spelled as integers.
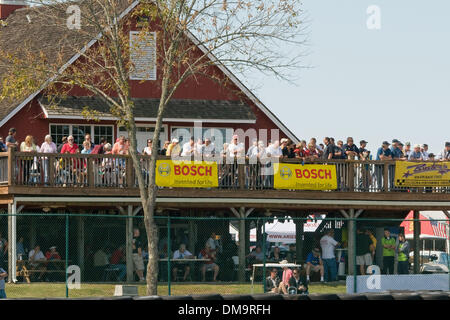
{"x": 182, "y": 253}
{"x": 424, "y": 150}
{"x": 235, "y": 148}
{"x": 188, "y": 148}
{"x": 445, "y": 154}
{"x": 328, "y": 245}
{"x": 209, "y": 149}
{"x": 37, "y": 258}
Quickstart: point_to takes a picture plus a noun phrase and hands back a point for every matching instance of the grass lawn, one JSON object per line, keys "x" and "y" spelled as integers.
{"x": 52, "y": 290}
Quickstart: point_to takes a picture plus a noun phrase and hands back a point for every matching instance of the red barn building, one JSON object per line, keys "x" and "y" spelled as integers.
{"x": 218, "y": 108}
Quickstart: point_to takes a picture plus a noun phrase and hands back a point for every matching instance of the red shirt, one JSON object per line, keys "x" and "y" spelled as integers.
{"x": 71, "y": 149}
{"x": 209, "y": 256}
{"x": 309, "y": 153}
{"x": 116, "y": 257}
{"x": 54, "y": 256}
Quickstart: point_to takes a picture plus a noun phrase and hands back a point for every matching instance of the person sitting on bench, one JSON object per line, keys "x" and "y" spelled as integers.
{"x": 182, "y": 253}
{"x": 314, "y": 264}
{"x": 37, "y": 261}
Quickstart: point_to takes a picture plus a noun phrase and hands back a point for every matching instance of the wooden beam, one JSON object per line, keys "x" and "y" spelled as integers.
{"x": 416, "y": 241}
{"x": 129, "y": 244}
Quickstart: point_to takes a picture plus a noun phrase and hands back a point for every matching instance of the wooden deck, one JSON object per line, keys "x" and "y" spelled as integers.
{"x": 81, "y": 180}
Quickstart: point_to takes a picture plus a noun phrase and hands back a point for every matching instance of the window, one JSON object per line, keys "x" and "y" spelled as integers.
{"x": 143, "y": 56}
{"x": 182, "y": 134}
{"x": 218, "y": 136}
{"x": 103, "y": 132}
{"x": 78, "y": 133}
{"x": 143, "y": 133}
{"x": 58, "y": 132}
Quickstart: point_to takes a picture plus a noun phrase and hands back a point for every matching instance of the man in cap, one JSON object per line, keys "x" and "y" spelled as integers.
{"x": 445, "y": 154}
{"x": 351, "y": 150}
{"x": 11, "y": 139}
{"x": 173, "y": 149}
{"x": 363, "y": 152}
{"x": 416, "y": 154}
{"x": 407, "y": 150}
{"x": 424, "y": 150}
{"x": 314, "y": 263}
{"x": 397, "y": 153}
{"x": 383, "y": 153}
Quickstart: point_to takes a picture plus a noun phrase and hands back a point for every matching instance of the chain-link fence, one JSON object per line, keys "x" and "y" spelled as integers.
{"x": 82, "y": 255}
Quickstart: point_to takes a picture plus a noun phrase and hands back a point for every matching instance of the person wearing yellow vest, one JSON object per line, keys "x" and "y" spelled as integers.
{"x": 403, "y": 255}
{"x": 388, "y": 244}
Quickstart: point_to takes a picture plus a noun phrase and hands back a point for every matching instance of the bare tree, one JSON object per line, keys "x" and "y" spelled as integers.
{"x": 190, "y": 39}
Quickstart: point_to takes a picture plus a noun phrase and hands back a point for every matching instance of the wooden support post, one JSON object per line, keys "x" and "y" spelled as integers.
{"x": 416, "y": 242}
{"x": 299, "y": 231}
{"x": 81, "y": 242}
{"x": 129, "y": 173}
{"x": 11, "y": 166}
{"x": 351, "y": 242}
{"x": 11, "y": 271}
{"x": 51, "y": 170}
{"x": 386, "y": 176}
{"x": 129, "y": 244}
{"x": 241, "y": 176}
{"x": 351, "y": 177}
{"x": 191, "y": 236}
{"x": 90, "y": 172}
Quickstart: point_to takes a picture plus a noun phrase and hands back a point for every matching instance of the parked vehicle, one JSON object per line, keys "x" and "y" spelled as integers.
{"x": 432, "y": 261}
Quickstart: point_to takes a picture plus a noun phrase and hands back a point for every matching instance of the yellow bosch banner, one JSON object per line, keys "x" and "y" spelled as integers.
{"x": 186, "y": 174}
{"x": 305, "y": 177}
{"x": 422, "y": 174}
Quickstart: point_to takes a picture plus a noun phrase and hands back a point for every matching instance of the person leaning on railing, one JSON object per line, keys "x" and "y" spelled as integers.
{"x": 47, "y": 147}
{"x": 445, "y": 154}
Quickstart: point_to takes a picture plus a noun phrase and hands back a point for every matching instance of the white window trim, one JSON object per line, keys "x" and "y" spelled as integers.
{"x": 165, "y": 126}
{"x": 80, "y": 124}
{"x": 172, "y": 128}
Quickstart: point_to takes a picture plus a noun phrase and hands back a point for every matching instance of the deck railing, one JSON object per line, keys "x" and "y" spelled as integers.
{"x": 117, "y": 171}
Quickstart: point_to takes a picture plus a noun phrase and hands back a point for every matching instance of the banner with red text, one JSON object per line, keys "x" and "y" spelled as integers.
{"x": 186, "y": 174}
{"x": 305, "y": 177}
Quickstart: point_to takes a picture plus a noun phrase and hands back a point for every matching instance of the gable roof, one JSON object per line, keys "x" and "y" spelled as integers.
{"x": 177, "y": 109}
{"x": 42, "y": 34}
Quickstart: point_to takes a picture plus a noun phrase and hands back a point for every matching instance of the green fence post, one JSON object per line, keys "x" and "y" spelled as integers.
{"x": 354, "y": 257}
{"x": 264, "y": 256}
{"x": 67, "y": 253}
{"x": 169, "y": 250}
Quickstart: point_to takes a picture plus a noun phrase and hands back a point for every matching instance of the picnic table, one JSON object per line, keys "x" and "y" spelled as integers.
{"x": 24, "y": 267}
{"x": 271, "y": 265}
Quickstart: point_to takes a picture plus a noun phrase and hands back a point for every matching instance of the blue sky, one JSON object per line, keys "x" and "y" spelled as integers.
{"x": 370, "y": 84}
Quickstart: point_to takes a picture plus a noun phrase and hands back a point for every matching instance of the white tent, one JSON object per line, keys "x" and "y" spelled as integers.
{"x": 283, "y": 232}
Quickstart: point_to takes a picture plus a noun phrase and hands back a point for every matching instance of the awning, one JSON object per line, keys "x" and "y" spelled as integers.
{"x": 430, "y": 228}
{"x": 283, "y": 232}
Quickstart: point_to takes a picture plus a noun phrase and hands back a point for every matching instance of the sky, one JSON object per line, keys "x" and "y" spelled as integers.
{"x": 370, "y": 84}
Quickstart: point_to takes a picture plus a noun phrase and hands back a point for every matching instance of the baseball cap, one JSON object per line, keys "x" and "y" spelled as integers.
{"x": 407, "y": 143}
{"x": 11, "y": 130}
{"x": 363, "y": 141}
{"x": 386, "y": 143}
{"x": 447, "y": 144}
{"x": 417, "y": 146}
{"x": 174, "y": 140}
{"x": 395, "y": 141}
{"x": 53, "y": 247}
{"x": 235, "y": 136}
